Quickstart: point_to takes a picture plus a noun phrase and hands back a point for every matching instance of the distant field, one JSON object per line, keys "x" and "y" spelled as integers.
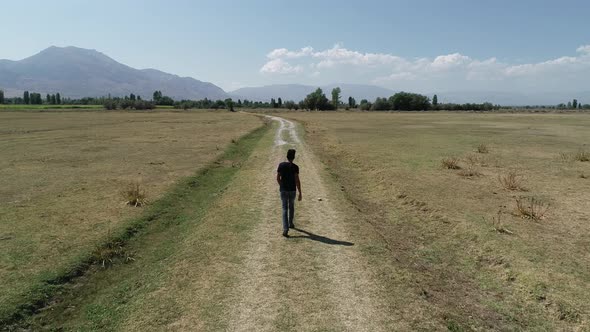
{"x": 62, "y": 174}
{"x": 47, "y": 107}
{"x": 442, "y": 225}
{"x": 59, "y": 107}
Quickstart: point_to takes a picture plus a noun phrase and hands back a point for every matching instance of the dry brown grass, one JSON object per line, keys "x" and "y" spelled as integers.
{"x": 582, "y": 155}
{"x": 106, "y": 255}
{"x": 134, "y": 195}
{"x": 383, "y": 155}
{"x": 483, "y": 148}
{"x": 469, "y": 172}
{"x": 565, "y": 157}
{"x": 511, "y": 181}
{"x": 474, "y": 160}
{"x": 61, "y": 174}
{"x": 498, "y": 223}
{"x": 532, "y": 208}
{"x": 450, "y": 163}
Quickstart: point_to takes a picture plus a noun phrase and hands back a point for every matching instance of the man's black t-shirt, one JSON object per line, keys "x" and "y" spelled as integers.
{"x": 287, "y": 171}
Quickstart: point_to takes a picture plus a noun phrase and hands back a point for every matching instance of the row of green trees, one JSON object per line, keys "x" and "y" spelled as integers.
{"x": 128, "y": 102}
{"x": 316, "y": 100}
{"x": 33, "y": 98}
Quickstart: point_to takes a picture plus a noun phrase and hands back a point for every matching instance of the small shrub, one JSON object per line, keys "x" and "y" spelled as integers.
{"x": 531, "y": 208}
{"x": 450, "y": 163}
{"x": 107, "y": 254}
{"x": 110, "y": 104}
{"x": 511, "y": 181}
{"x": 134, "y": 195}
{"x": 143, "y": 105}
{"x": 483, "y": 148}
{"x": 583, "y": 176}
{"x": 582, "y": 155}
{"x": 565, "y": 157}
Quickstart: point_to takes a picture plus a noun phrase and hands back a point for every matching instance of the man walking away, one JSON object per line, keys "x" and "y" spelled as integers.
{"x": 288, "y": 179}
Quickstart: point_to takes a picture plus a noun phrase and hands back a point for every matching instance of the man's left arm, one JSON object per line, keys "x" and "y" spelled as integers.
{"x": 298, "y": 184}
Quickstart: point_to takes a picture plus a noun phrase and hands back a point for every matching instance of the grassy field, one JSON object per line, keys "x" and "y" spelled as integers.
{"x": 410, "y": 221}
{"x": 62, "y": 175}
{"x": 8, "y": 107}
{"x": 456, "y": 234}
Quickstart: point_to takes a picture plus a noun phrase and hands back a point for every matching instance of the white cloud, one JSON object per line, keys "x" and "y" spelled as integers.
{"x": 445, "y": 62}
{"x": 279, "y": 66}
{"x": 285, "y": 53}
{"x": 455, "y": 70}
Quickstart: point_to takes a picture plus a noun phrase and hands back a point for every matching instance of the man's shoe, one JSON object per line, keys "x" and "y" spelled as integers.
{"x": 286, "y": 233}
{"x": 291, "y": 225}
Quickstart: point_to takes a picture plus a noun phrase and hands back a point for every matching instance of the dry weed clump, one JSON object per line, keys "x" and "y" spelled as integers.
{"x": 106, "y": 255}
{"x": 474, "y": 159}
{"x": 450, "y": 163}
{"x": 511, "y": 181}
{"x": 565, "y": 157}
{"x": 582, "y": 155}
{"x": 469, "y": 172}
{"x": 499, "y": 225}
{"x": 483, "y": 148}
{"x": 134, "y": 195}
{"x": 531, "y": 208}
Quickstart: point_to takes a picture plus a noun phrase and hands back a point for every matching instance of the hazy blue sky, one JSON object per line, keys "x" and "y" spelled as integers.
{"x": 419, "y": 45}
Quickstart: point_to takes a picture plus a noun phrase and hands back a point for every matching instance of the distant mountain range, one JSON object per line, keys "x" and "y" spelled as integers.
{"x": 77, "y": 72}
{"x": 297, "y": 92}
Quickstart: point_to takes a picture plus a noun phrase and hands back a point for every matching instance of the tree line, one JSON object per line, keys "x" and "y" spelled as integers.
{"x": 316, "y": 100}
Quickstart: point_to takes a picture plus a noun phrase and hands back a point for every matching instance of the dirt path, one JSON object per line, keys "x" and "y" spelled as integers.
{"x": 314, "y": 280}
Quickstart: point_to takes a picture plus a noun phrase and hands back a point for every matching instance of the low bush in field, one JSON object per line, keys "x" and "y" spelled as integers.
{"x": 582, "y": 155}
{"x": 531, "y": 208}
{"x": 134, "y": 195}
{"x": 450, "y": 163}
{"x": 483, "y": 148}
{"x": 511, "y": 181}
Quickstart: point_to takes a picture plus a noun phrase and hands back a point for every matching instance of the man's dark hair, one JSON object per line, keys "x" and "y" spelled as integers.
{"x": 291, "y": 154}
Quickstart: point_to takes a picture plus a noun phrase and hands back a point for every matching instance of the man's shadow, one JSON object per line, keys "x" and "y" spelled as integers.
{"x": 319, "y": 238}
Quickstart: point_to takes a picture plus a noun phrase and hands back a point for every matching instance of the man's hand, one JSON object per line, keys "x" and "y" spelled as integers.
{"x": 300, "y": 197}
